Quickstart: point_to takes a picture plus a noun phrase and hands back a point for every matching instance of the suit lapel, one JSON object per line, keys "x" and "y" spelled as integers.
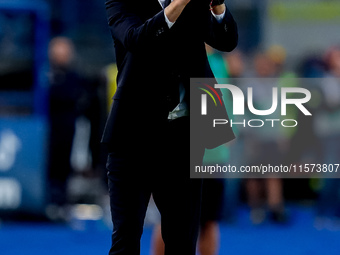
{"x": 167, "y": 2}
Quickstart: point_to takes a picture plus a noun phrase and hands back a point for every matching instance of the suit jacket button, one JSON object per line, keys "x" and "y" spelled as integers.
{"x": 159, "y": 31}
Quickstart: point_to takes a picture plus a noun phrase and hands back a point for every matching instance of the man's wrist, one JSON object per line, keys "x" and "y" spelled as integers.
{"x": 173, "y": 10}
{"x": 168, "y": 22}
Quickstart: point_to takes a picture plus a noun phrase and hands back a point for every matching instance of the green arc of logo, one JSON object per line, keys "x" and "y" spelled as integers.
{"x": 209, "y": 95}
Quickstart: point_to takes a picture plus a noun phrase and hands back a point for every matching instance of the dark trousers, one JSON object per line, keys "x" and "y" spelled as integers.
{"x": 160, "y": 169}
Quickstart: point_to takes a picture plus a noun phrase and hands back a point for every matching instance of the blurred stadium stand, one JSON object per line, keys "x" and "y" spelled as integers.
{"x": 24, "y": 35}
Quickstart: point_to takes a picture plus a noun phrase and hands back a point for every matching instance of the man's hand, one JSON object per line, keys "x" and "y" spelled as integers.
{"x": 174, "y": 10}
{"x": 217, "y": 6}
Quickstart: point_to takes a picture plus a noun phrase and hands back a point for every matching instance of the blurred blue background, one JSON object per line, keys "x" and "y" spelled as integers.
{"x": 57, "y": 77}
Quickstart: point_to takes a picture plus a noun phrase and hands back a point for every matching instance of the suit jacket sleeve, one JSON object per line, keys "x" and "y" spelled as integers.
{"x": 223, "y": 35}
{"x": 133, "y": 33}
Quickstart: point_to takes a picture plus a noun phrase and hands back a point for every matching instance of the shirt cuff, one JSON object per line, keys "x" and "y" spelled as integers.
{"x": 218, "y": 17}
{"x": 170, "y": 24}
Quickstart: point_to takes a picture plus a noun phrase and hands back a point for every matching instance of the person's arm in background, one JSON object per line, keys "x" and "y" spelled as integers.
{"x": 134, "y": 34}
{"x": 222, "y": 34}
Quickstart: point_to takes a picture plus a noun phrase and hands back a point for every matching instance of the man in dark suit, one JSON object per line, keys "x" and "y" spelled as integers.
{"x": 160, "y": 45}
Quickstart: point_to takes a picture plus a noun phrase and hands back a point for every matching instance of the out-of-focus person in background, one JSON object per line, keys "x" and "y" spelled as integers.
{"x": 226, "y": 67}
{"x": 65, "y": 96}
{"x": 236, "y": 67}
{"x": 219, "y": 196}
{"x": 328, "y": 129}
{"x": 265, "y": 196}
{"x": 235, "y": 63}
{"x": 214, "y": 191}
{"x": 277, "y": 56}
{"x": 109, "y": 81}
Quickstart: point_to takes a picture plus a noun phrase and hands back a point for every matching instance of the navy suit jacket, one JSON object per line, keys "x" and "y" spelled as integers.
{"x": 152, "y": 59}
